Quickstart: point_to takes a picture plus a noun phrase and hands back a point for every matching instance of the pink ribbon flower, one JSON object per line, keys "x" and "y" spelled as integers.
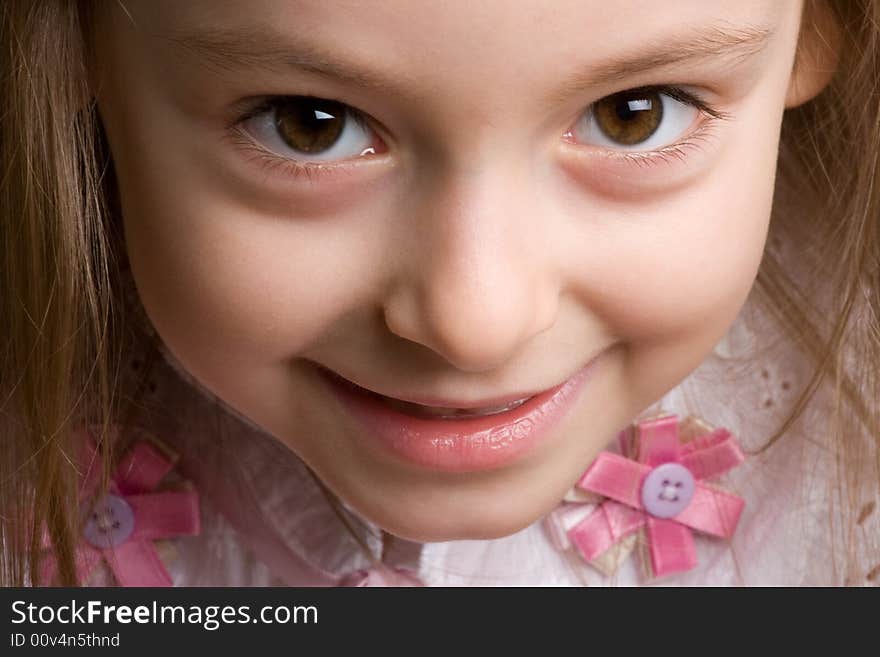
{"x": 121, "y": 525}
{"x": 663, "y": 490}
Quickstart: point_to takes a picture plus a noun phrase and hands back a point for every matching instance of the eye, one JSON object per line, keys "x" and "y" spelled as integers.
{"x": 642, "y": 119}
{"x": 310, "y": 129}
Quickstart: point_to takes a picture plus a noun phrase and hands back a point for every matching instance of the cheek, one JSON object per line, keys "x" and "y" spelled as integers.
{"x": 691, "y": 276}
{"x": 226, "y": 287}
{"x": 679, "y": 271}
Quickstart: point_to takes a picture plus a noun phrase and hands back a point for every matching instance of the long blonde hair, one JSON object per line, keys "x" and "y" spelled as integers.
{"x": 64, "y": 320}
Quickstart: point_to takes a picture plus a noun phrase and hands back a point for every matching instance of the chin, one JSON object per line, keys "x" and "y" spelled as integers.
{"x": 490, "y": 519}
{"x": 489, "y": 529}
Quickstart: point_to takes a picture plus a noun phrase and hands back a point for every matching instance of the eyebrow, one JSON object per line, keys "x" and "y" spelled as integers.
{"x": 242, "y": 48}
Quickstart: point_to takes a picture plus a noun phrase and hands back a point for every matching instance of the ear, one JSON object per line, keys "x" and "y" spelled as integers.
{"x": 818, "y": 53}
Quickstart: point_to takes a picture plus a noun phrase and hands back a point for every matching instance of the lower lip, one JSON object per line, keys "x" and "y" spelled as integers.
{"x": 461, "y": 445}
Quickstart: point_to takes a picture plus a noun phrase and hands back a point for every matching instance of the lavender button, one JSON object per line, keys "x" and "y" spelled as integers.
{"x": 109, "y": 522}
{"x": 668, "y": 489}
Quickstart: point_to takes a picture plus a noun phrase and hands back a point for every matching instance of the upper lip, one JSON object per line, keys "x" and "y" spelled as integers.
{"x": 489, "y": 402}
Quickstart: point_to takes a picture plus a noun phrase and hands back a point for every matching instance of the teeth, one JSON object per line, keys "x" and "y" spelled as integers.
{"x": 441, "y": 412}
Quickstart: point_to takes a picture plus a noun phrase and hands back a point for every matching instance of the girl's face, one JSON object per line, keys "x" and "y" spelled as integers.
{"x": 478, "y": 213}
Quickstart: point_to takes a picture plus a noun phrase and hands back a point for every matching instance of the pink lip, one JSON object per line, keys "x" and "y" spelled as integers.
{"x": 459, "y": 445}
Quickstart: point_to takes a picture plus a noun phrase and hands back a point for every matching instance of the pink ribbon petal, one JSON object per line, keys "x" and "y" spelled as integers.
{"x": 616, "y": 477}
{"x": 671, "y": 546}
{"x": 600, "y": 530}
{"x": 161, "y": 515}
{"x": 89, "y": 462}
{"x": 141, "y": 469}
{"x": 137, "y": 563}
{"x": 709, "y": 456}
{"x": 86, "y": 560}
{"x": 658, "y": 441}
{"x": 712, "y": 511}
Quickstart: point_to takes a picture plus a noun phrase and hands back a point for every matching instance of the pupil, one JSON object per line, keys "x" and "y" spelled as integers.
{"x": 627, "y": 109}
{"x": 310, "y": 125}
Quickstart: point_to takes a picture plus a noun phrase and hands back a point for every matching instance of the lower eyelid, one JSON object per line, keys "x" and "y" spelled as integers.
{"x": 258, "y": 155}
{"x": 280, "y": 171}
{"x": 630, "y": 177}
{"x": 675, "y": 154}
{"x": 695, "y": 141}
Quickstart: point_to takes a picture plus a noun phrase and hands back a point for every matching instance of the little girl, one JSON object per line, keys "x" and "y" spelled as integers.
{"x": 394, "y": 293}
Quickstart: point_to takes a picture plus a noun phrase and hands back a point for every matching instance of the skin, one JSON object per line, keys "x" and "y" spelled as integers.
{"x": 477, "y": 253}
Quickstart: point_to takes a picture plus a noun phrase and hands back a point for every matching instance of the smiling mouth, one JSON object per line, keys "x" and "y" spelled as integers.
{"x": 497, "y": 432}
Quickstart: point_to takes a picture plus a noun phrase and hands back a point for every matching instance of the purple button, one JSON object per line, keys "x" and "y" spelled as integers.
{"x": 109, "y": 522}
{"x": 668, "y": 489}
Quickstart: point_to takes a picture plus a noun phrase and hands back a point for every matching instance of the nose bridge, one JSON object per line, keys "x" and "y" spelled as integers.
{"x": 474, "y": 287}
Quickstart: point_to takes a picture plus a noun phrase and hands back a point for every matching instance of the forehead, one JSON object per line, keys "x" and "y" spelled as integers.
{"x": 456, "y": 36}
{"x": 473, "y": 22}
{"x": 474, "y": 54}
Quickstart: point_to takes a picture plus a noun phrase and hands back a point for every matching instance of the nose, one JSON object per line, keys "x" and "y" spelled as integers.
{"x": 474, "y": 281}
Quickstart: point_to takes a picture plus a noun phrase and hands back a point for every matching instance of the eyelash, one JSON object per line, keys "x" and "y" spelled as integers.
{"x": 292, "y": 168}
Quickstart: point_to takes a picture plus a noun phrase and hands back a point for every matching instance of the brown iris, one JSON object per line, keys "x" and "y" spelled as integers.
{"x": 310, "y": 125}
{"x": 629, "y": 117}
